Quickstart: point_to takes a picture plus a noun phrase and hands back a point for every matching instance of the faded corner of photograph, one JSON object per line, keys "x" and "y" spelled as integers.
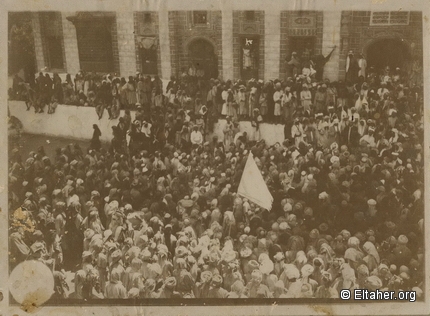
{"x": 171, "y": 156}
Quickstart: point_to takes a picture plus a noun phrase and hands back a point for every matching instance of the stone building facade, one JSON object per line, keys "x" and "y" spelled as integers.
{"x": 300, "y": 31}
{"x": 196, "y": 39}
{"x": 228, "y": 44}
{"x": 248, "y": 38}
{"x": 396, "y": 37}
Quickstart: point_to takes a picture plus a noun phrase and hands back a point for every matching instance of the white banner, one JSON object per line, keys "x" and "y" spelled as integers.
{"x": 253, "y": 187}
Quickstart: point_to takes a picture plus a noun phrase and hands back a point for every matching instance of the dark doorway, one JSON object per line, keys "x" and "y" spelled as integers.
{"x": 52, "y": 39}
{"x": 202, "y": 56}
{"x": 149, "y": 61}
{"x": 55, "y": 52}
{"x": 304, "y": 46}
{"x": 95, "y": 45}
{"x": 21, "y": 45}
{"x": 148, "y": 56}
{"x": 388, "y": 52}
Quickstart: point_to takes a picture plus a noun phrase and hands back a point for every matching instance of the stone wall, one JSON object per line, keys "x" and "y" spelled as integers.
{"x": 115, "y": 48}
{"x": 182, "y": 32}
{"x": 70, "y": 44}
{"x": 75, "y": 122}
{"x": 126, "y": 45}
{"x": 272, "y": 47}
{"x": 228, "y": 53}
{"x": 276, "y": 30}
{"x": 312, "y": 27}
{"x": 52, "y": 21}
{"x": 68, "y": 121}
{"x": 331, "y": 37}
{"x": 38, "y": 46}
{"x": 150, "y": 29}
{"x": 164, "y": 47}
{"x": 244, "y": 28}
{"x": 357, "y": 34}
{"x": 174, "y": 52}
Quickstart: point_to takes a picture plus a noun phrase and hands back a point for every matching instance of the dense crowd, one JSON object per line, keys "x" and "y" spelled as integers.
{"x": 155, "y": 213}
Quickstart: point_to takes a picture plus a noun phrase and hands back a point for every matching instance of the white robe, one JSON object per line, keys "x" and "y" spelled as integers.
{"x": 362, "y": 63}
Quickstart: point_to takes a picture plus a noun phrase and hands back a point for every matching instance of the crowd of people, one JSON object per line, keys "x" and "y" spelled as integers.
{"x": 155, "y": 214}
{"x": 101, "y": 91}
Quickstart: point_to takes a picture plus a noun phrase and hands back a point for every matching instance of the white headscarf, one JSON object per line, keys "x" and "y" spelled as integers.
{"x": 371, "y": 250}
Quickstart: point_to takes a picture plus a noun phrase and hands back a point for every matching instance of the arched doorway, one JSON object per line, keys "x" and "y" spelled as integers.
{"x": 202, "y": 56}
{"x": 392, "y": 52}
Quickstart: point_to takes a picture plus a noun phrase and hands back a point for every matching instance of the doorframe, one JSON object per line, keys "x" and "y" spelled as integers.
{"x": 241, "y": 71}
{"x": 390, "y": 36}
{"x": 190, "y": 40}
{"x": 193, "y": 39}
{"x": 108, "y": 24}
{"x": 291, "y": 49}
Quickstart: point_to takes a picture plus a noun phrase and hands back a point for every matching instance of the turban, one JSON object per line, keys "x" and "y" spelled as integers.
{"x": 133, "y": 293}
{"x": 155, "y": 269}
{"x": 253, "y": 264}
{"x": 237, "y": 286}
{"x": 150, "y": 285}
{"x": 348, "y": 273}
{"x": 323, "y": 227}
{"x": 145, "y": 255}
{"x": 382, "y": 267}
{"x": 181, "y": 251}
{"x": 363, "y": 270}
{"x": 318, "y": 261}
{"x": 116, "y": 256}
{"x": 402, "y": 240}
{"x": 257, "y": 275}
{"x": 371, "y": 202}
{"x": 323, "y": 196}
{"x": 283, "y": 226}
{"x": 217, "y": 280}
{"x": 206, "y": 276}
{"x": 326, "y": 276}
{"x": 288, "y": 207}
{"x": 404, "y": 269}
{"x": 279, "y": 256}
{"x": 266, "y": 266}
{"x": 373, "y": 282}
{"x": 170, "y": 282}
{"x": 228, "y": 256}
{"x": 314, "y": 234}
{"x": 307, "y": 270}
{"x": 353, "y": 242}
{"x": 291, "y": 271}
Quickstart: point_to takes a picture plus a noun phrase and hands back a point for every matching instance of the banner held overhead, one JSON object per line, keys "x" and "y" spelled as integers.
{"x": 253, "y": 187}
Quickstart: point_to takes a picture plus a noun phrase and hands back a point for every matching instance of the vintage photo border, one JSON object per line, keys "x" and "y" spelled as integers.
{"x": 250, "y": 306}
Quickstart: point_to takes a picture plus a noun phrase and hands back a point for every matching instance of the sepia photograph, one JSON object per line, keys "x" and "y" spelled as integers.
{"x": 165, "y": 154}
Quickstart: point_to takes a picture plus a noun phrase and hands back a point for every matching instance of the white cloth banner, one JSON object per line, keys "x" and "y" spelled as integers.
{"x": 253, "y": 187}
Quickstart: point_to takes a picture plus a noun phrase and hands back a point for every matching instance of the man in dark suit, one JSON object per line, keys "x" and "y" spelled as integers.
{"x": 350, "y": 135}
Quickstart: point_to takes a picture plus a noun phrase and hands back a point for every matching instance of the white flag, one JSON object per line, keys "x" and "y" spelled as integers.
{"x": 253, "y": 187}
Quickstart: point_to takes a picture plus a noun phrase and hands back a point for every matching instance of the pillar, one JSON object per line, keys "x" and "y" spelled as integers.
{"x": 37, "y": 36}
{"x": 227, "y": 40}
{"x": 70, "y": 44}
{"x": 272, "y": 41}
{"x": 164, "y": 41}
{"x": 126, "y": 44}
{"x": 331, "y": 37}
